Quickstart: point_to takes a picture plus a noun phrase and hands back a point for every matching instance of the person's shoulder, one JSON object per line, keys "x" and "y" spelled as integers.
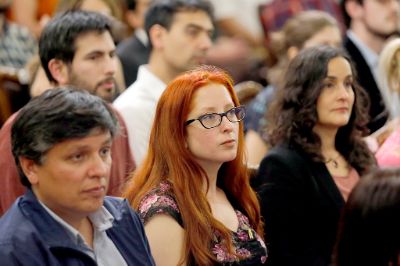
{"x": 125, "y": 47}
{"x": 21, "y": 241}
{"x": 6, "y": 128}
{"x": 284, "y": 152}
{"x": 15, "y": 228}
{"x": 117, "y": 206}
{"x": 160, "y": 200}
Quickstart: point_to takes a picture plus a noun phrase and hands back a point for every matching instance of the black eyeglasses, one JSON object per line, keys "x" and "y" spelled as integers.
{"x": 236, "y": 114}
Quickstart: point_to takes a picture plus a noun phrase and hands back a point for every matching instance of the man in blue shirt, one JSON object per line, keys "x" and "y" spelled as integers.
{"x": 61, "y": 142}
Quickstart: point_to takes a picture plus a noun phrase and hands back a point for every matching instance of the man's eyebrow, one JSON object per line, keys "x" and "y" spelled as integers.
{"x": 199, "y": 27}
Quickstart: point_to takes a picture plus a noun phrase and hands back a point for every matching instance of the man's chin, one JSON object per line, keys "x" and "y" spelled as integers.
{"x": 107, "y": 93}
{"x": 107, "y": 96}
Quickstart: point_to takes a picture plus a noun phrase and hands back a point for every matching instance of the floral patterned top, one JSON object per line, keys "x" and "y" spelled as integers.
{"x": 245, "y": 240}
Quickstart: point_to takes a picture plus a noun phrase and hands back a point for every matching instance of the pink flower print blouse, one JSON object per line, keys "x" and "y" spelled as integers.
{"x": 246, "y": 241}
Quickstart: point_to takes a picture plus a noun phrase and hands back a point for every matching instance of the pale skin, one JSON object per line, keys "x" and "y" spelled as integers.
{"x": 334, "y": 107}
{"x": 166, "y": 237}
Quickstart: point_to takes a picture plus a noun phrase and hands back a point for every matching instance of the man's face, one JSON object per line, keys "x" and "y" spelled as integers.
{"x": 381, "y": 17}
{"x": 74, "y": 175}
{"x": 186, "y": 43}
{"x": 94, "y": 64}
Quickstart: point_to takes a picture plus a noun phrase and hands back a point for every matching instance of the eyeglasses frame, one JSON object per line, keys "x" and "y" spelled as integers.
{"x": 188, "y": 122}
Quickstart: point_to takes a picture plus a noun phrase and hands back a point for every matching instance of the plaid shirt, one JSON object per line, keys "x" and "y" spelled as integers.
{"x": 17, "y": 45}
{"x": 274, "y": 14}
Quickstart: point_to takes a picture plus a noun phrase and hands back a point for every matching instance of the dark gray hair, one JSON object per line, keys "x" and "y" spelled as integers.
{"x": 57, "y": 115}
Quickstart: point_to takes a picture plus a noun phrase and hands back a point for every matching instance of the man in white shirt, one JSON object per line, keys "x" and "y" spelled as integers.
{"x": 180, "y": 35}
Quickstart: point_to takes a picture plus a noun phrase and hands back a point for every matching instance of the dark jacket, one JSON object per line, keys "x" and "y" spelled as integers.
{"x": 378, "y": 113}
{"x": 132, "y": 52}
{"x": 301, "y": 205}
{"x": 30, "y": 236}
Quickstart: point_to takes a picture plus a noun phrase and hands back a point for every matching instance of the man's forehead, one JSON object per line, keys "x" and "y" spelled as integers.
{"x": 195, "y": 17}
{"x": 82, "y": 141}
{"x": 97, "y": 39}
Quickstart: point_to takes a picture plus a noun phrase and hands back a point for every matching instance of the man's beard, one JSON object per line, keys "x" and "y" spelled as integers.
{"x": 81, "y": 84}
{"x": 108, "y": 97}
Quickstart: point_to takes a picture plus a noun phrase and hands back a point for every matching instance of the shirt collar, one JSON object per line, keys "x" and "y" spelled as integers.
{"x": 369, "y": 55}
{"x": 142, "y": 36}
{"x": 101, "y": 221}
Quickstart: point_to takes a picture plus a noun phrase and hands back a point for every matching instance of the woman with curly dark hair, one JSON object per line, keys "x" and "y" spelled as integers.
{"x": 318, "y": 154}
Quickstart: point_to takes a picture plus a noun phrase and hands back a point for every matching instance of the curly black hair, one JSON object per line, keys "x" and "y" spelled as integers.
{"x": 293, "y": 115}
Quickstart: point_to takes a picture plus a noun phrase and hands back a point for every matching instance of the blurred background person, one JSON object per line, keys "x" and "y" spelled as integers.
{"x": 17, "y": 44}
{"x": 135, "y": 50}
{"x": 388, "y": 142}
{"x": 369, "y": 232}
{"x": 238, "y": 43}
{"x": 180, "y": 37}
{"x": 33, "y": 14}
{"x": 389, "y": 76}
{"x": 369, "y": 24}
{"x": 111, "y": 8}
{"x": 17, "y": 47}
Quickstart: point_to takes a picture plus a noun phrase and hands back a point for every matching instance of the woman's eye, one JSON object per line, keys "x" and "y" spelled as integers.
{"x": 208, "y": 117}
{"x": 329, "y": 85}
{"x": 348, "y": 84}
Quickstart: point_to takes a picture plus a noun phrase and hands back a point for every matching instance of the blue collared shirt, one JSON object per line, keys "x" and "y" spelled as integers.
{"x": 104, "y": 251}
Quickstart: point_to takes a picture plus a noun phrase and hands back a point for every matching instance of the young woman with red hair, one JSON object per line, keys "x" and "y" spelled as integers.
{"x": 193, "y": 191}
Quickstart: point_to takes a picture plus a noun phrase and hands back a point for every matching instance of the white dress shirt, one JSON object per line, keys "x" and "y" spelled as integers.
{"x": 137, "y": 105}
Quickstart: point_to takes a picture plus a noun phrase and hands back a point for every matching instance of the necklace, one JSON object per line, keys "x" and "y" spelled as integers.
{"x": 334, "y": 161}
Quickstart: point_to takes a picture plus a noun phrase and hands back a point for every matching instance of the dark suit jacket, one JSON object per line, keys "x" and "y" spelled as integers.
{"x": 378, "y": 114}
{"x": 301, "y": 205}
{"x": 132, "y": 53}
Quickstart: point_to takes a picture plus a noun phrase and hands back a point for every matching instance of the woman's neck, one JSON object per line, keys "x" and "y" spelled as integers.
{"x": 328, "y": 138}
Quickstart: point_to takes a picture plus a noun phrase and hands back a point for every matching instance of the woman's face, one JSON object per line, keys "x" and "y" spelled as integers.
{"x": 335, "y": 103}
{"x": 212, "y": 147}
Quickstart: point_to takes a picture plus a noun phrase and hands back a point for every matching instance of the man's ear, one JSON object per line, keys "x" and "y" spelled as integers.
{"x": 156, "y": 34}
{"x": 59, "y": 71}
{"x": 354, "y": 9}
{"x": 29, "y": 167}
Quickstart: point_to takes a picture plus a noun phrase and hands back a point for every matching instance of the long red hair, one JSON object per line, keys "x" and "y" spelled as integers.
{"x": 168, "y": 158}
